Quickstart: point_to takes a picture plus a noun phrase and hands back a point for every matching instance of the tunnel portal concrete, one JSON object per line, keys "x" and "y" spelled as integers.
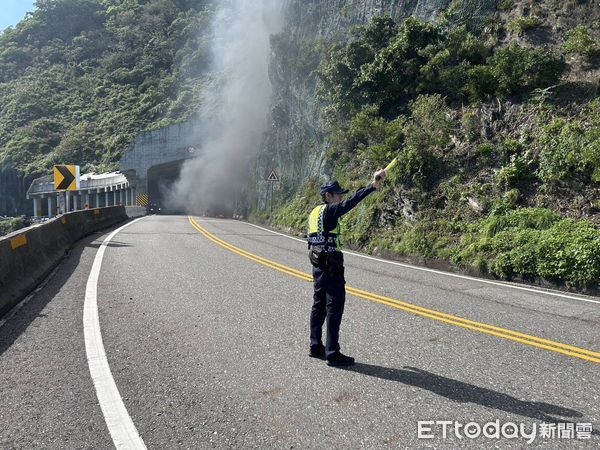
{"x": 164, "y": 150}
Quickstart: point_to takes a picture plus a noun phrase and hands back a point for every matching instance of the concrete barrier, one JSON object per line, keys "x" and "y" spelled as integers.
{"x": 28, "y": 255}
{"x": 135, "y": 211}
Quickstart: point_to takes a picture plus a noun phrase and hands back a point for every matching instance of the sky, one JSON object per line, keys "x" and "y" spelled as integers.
{"x": 12, "y": 11}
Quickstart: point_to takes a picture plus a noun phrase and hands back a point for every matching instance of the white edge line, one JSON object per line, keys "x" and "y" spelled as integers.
{"x": 119, "y": 423}
{"x": 439, "y": 272}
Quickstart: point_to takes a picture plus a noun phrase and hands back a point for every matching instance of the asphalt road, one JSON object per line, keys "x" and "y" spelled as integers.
{"x": 208, "y": 348}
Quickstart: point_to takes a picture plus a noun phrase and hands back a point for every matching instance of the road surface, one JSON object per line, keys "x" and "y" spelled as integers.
{"x": 204, "y": 324}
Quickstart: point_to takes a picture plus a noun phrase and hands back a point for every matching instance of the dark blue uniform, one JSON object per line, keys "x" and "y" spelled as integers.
{"x": 329, "y": 290}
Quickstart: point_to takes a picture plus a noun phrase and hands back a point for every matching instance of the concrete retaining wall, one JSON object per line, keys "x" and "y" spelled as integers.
{"x": 27, "y": 256}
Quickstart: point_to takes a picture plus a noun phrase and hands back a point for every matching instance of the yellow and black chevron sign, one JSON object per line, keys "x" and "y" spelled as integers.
{"x": 141, "y": 199}
{"x": 66, "y": 178}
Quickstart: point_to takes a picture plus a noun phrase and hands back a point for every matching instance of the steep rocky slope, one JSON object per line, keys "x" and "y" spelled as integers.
{"x": 510, "y": 166}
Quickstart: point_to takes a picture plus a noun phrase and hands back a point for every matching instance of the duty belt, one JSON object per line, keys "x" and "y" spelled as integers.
{"x": 320, "y": 239}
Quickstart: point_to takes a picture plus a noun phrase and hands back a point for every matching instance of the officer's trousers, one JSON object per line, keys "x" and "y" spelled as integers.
{"x": 329, "y": 299}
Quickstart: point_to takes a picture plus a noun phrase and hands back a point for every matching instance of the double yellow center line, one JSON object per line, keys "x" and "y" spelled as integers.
{"x": 516, "y": 336}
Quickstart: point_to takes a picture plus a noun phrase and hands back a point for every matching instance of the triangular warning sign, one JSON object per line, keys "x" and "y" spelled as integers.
{"x": 273, "y": 176}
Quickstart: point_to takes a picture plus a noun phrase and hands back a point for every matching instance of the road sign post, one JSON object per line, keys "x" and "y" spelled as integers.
{"x": 272, "y": 178}
{"x": 61, "y": 203}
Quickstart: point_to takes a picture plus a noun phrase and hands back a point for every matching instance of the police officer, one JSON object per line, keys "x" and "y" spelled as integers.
{"x": 326, "y": 257}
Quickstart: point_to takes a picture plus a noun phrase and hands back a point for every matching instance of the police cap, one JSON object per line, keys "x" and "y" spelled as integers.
{"x": 333, "y": 187}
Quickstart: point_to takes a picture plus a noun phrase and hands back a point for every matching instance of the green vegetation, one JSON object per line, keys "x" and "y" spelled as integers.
{"x": 569, "y": 149}
{"x": 535, "y": 243}
{"x": 11, "y": 224}
{"x": 524, "y": 24}
{"x": 505, "y": 5}
{"x": 79, "y": 78}
{"x": 529, "y": 243}
{"x": 295, "y": 213}
{"x": 517, "y": 69}
{"x": 479, "y": 190}
{"x": 387, "y": 66}
{"x": 580, "y": 42}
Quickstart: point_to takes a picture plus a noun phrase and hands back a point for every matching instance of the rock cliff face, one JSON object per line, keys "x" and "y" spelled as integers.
{"x": 10, "y": 192}
{"x": 13, "y": 189}
{"x": 295, "y": 143}
{"x": 330, "y": 18}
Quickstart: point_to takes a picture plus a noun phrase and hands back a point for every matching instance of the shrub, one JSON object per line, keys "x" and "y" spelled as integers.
{"x": 10, "y": 225}
{"x": 415, "y": 168}
{"x": 580, "y": 42}
{"x": 390, "y": 65}
{"x": 536, "y": 218}
{"x": 569, "y": 148}
{"x": 470, "y": 125}
{"x": 519, "y": 169}
{"x": 481, "y": 83}
{"x": 505, "y": 5}
{"x": 510, "y": 148}
{"x": 512, "y": 197}
{"x": 515, "y": 253}
{"x": 570, "y": 251}
{"x": 388, "y": 80}
{"x": 485, "y": 149}
{"x": 518, "y": 69}
{"x": 523, "y": 24}
{"x": 430, "y": 125}
{"x": 376, "y": 139}
{"x": 535, "y": 242}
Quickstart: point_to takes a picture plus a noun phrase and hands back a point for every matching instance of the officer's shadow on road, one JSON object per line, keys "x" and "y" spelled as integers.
{"x": 467, "y": 393}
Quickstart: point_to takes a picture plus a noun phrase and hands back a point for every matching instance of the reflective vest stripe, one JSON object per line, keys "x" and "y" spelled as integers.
{"x": 315, "y": 220}
{"x": 316, "y": 226}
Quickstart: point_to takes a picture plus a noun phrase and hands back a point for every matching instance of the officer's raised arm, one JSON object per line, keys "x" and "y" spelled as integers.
{"x": 335, "y": 211}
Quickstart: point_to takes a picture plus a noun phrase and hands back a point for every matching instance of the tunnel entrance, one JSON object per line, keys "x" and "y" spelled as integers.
{"x": 219, "y": 199}
{"x": 160, "y": 180}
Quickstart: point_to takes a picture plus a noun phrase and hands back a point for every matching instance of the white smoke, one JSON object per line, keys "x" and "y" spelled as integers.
{"x": 235, "y": 111}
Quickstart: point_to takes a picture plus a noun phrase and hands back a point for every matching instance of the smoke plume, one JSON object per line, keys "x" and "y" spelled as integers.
{"x": 235, "y": 108}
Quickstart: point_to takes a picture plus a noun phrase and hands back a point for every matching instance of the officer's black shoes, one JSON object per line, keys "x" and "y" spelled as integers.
{"x": 317, "y": 351}
{"x": 339, "y": 360}
{"x": 336, "y": 360}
